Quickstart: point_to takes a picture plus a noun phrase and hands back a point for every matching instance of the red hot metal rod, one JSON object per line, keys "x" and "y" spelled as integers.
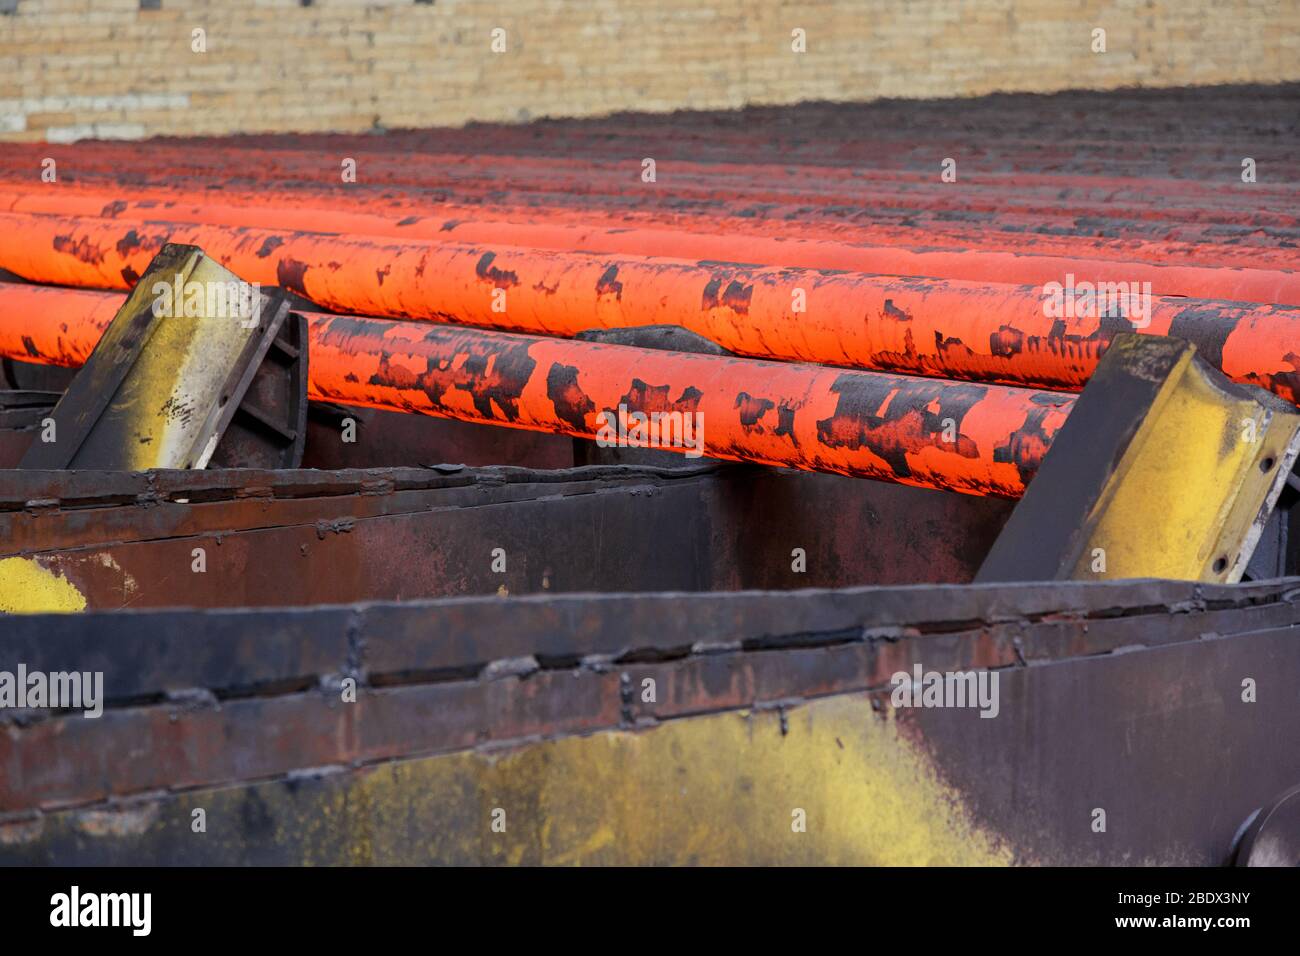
{"x": 47, "y": 248}
{"x": 471, "y": 172}
{"x": 949, "y": 329}
{"x": 1198, "y": 246}
{"x": 964, "y": 437}
{"x": 1097, "y": 237}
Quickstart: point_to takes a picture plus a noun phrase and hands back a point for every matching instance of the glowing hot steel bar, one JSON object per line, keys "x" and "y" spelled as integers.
{"x": 1048, "y": 336}
{"x": 966, "y": 437}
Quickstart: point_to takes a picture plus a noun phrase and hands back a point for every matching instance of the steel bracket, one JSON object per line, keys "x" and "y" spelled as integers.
{"x": 194, "y": 358}
{"x": 1164, "y": 469}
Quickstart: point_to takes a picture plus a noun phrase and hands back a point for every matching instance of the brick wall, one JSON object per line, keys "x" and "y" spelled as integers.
{"x": 126, "y": 68}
